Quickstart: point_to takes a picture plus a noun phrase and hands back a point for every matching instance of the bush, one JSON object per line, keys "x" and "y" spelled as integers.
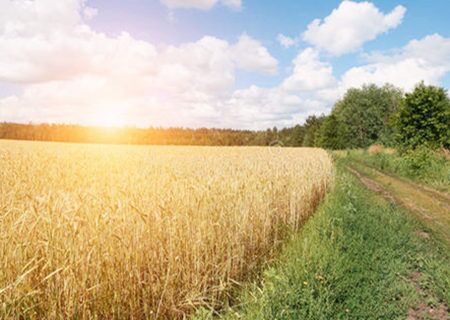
{"x": 425, "y": 164}
{"x": 420, "y": 164}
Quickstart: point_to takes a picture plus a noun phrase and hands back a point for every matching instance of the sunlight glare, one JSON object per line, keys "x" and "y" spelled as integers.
{"x": 109, "y": 117}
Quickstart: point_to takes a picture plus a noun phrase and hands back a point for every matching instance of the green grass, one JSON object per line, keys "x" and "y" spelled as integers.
{"x": 422, "y": 165}
{"x": 353, "y": 259}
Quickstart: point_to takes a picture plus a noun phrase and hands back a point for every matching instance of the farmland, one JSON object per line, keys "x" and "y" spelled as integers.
{"x": 362, "y": 255}
{"x": 101, "y": 231}
{"x": 224, "y": 160}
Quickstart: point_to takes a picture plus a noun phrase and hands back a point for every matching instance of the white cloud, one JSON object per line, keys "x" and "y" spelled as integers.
{"x": 349, "y": 26}
{"x": 286, "y": 41}
{"x": 174, "y": 85}
{"x": 309, "y": 73}
{"x": 259, "y": 108}
{"x": 201, "y": 4}
{"x": 305, "y": 91}
{"x": 71, "y": 73}
{"x": 44, "y": 57}
{"x": 427, "y": 59}
{"x": 25, "y": 17}
{"x": 251, "y": 55}
{"x": 405, "y": 74}
{"x": 311, "y": 87}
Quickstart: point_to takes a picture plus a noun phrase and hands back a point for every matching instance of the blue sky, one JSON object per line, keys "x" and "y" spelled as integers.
{"x": 264, "y": 20}
{"x": 210, "y": 62}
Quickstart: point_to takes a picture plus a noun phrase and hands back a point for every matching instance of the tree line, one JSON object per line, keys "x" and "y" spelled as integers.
{"x": 154, "y": 136}
{"x": 388, "y": 116}
{"x": 364, "y": 116}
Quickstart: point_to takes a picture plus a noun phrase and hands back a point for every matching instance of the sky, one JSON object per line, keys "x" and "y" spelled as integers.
{"x": 245, "y": 64}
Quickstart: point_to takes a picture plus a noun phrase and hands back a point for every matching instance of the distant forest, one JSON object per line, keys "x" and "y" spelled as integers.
{"x": 364, "y": 116}
{"x": 156, "y": 136}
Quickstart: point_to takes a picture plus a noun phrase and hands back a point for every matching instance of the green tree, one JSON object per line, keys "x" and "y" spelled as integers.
{"x": 312, "y": 126}
{"x": 424, "y": 118}
{"x": 297, "y": 136}
{"x": 364, "y": 115}
{"x": 329, "y": 133}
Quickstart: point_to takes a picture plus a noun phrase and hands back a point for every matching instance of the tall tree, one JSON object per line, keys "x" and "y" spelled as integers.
{"x": 312, "y": 125}
{"x": 424, "y": 118}
{"x": 297, "y": 136}
{"x": 329, "y": 135}
{"x": 364, "y": 115}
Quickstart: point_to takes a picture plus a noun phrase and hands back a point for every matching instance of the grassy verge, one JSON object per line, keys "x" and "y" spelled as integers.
{"x": 422, "y": 165}
{"x": 358, "y": 257}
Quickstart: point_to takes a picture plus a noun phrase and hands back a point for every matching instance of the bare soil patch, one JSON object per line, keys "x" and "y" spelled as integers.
{"x": 423, "y": 310}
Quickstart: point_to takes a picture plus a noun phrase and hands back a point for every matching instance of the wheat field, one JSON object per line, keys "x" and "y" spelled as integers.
{"x": 143, "y": 232}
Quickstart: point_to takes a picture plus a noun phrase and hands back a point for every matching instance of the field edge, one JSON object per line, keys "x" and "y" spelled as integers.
{"x": 357, "y": 257}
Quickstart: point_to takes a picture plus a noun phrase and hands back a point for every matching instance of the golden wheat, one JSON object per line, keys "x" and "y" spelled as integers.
{"x": 97, "y": 231}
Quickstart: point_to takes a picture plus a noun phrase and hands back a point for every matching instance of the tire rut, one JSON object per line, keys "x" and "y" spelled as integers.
{"x": 431, "y": 207}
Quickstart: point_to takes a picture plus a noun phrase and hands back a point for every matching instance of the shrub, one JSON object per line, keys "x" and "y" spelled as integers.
{"x": 424, "y": 163}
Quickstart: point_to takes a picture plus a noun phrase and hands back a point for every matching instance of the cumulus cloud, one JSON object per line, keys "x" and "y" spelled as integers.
{"x": 311, "y": 87}
{"x": 71, "y": 73}
{"x": 349, "y": 26}
{"x": 259, "y": 108}
{"x": 286, "y": 41}
{"x": 26, "y": 17}
{"x": 65, "y": 55}
{"x": 303, "y": 92}
{"x": 251, "y": 55}
{"x": 201, "y": 4}
{"x": 309, "y": 73}
{"x": 426, "y": 59}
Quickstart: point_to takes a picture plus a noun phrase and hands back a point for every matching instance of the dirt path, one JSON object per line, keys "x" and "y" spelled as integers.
{"x": 441, "y": 195}
{"x": 430, "y": 206}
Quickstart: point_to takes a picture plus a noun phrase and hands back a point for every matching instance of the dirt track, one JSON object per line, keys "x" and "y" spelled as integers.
{"x": 430, "y": 206}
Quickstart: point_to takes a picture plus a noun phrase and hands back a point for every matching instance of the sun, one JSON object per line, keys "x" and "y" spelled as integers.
{"x": 111, "y": 117}
{"x": 110, "y": 120}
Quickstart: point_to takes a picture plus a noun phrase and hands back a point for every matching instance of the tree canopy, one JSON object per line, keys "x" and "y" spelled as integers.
{"x": 424, "y": 118}
{"x": 361, "y": 118}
